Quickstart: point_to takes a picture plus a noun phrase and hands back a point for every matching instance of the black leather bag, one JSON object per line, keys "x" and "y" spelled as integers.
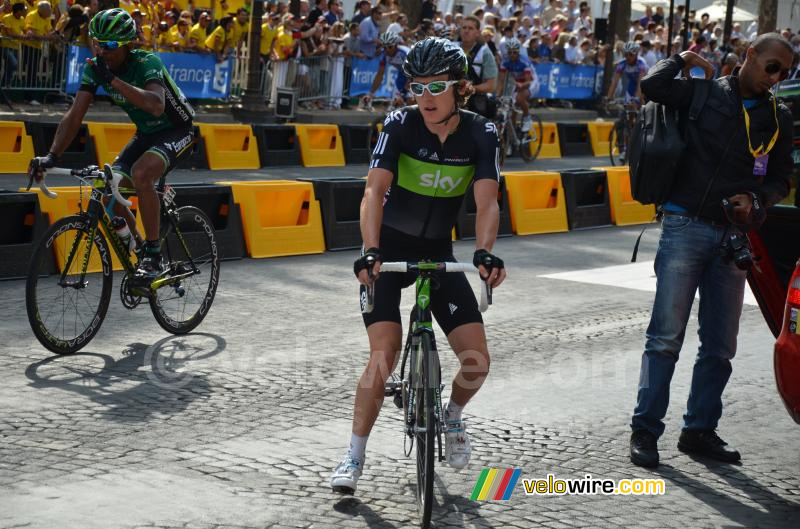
{"x": 657, "y": 146}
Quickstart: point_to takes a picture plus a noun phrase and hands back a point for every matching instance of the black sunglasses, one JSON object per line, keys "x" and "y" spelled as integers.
{"x": 773, "y": 67}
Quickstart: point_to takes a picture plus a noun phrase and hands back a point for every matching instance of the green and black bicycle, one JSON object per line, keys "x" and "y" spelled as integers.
{"x": 418, "y": 389}
{"x": 70, "y": 275}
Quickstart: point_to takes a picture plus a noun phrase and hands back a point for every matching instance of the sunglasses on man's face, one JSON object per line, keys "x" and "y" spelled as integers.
{"x": 773, "y": 67}
{"x": 109, "y": 44}
{"x": 435, "y": 88}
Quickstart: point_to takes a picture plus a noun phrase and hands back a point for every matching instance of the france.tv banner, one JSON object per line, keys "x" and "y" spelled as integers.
{"x": 198, "y": 75}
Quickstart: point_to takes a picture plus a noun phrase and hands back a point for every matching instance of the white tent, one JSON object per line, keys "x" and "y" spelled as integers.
{"x": 716, "y": 11}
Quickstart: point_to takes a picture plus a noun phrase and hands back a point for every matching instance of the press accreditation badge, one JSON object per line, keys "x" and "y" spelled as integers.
{"x": 760, "y": 165}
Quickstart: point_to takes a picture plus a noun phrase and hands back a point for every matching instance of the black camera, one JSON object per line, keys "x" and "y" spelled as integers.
{"x": 736, "y": 248}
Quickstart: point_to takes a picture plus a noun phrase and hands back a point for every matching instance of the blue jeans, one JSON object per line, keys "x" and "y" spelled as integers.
{"x": 11, "y": 63}
{"x": 689, "y": 258}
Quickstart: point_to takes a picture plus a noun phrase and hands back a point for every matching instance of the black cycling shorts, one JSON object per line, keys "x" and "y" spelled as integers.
{"x": 170, "y": 145}
{"x": 453, "y": 302}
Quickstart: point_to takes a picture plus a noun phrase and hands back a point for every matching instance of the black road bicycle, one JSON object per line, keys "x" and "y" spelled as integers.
{"x": 512, "y": 139}
{"x": 70, "y": 275}
{"x": 619, "y": 139}
{"x": 418, "y": 389}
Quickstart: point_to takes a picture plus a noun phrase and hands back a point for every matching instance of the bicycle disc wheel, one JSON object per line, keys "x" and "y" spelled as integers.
{"x": 531, "y": 144}
{"x": 189, "y": 249}
{"x": 65, "y": 314}
{"x": 425, "y": 437}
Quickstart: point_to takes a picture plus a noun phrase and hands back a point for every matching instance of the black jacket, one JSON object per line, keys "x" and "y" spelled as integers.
{"x": 722, "y": 120}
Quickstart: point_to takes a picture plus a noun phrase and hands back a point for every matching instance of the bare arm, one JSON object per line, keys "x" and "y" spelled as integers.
{"x": 613, "y": 88}
{"x": 378, "y": 182}
{"x": 489, "y": 85}
{"x": 71, "y": 122}
{"x": 150, "y": 99}
{"x": 377, "y": 81}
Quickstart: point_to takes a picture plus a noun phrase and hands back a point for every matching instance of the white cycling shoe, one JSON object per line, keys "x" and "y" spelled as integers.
{"x": 456, "y": 444}
{"x": 527, "y": 123}
{"x": 345, "y": 476}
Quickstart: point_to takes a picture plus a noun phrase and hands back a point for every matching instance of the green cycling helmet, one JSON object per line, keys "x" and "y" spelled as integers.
{"x": 113, "y": 25}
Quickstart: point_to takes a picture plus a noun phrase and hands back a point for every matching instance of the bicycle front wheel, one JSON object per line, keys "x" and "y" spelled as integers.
{"x": 191, "y": 261}
{"x": 617, "y": 145}
{"x": 425, "y": 433}
{"x": 66, "y": 307}
{"x": 531, "y": 144}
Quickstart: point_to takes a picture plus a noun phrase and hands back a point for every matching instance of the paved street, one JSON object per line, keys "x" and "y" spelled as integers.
{"x": 239, "y": 424}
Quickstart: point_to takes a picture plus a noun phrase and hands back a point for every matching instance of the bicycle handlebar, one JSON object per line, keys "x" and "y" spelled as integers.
{"x": 113, "y": 180}
{"x": 402, "y": 267}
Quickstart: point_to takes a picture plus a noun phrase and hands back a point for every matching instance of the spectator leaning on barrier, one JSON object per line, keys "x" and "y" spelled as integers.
{"x": 481, "y": 69}
{"x": 269, "y": 32}
{"x": 363, "y": 9}
{"x": 739, "y": 149}
{"x": 38, "y": 27}
{"x": 198, "y": 34}
{"x": 241, "y": 29}
{"x": 334, "y": 13}
{"x": 13, "y": 28}
{"x": 219, "y": 41}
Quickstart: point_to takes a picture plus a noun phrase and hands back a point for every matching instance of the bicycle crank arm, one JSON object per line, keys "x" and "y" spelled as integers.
{"x": 158, "y": 283}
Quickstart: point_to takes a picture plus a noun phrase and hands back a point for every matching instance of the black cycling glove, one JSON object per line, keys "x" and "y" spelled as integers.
{"x": 101, "y": 69}
{"x": 489, "y": 261}
{"x": 367, "y": 260}
{"x": 40, "y": 163}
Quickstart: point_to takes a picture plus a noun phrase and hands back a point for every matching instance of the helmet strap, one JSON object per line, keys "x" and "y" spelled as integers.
{"x": 450, "y": 115}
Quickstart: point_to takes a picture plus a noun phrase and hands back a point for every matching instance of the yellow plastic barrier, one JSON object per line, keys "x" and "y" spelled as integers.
{"x": 279, "y": 217}
{"x": 599, "y": 132}
{"x": 536, "y": 202}
{"x": 624, "y": 209}
{"x": 16, "y": 147}
{"x": 230, "y": 146}
{"x": 69, "y": 202}
{"x": 110, "y": 139}
{"x": 320, "y": 145}
{"x": 550, "y": 145}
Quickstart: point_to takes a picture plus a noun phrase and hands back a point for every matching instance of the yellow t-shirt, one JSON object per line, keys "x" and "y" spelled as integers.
{"x": 267, "y": 36}
{"x": 14, "y": 27}
{"x": 199, "y": 35}
{"x": 182, "y": 40}
{"x": 240, "y": 32}
{"x": 147, "y": 35}
{"x": 40, "y": 26}
{"x": 283, "y": 44}
{"x": 164, "y": 41}
{"x": 217, "y": 40}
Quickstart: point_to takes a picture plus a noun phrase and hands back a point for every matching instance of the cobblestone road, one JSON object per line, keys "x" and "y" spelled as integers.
{"x": 239, "y": 424}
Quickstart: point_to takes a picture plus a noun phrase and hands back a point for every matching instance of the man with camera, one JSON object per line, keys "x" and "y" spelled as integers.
{"x": 737, "y": 163}
{"x": 482, "y": 69}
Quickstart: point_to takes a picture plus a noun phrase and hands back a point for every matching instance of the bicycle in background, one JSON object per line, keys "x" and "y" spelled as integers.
{"x": 619, "y": 139}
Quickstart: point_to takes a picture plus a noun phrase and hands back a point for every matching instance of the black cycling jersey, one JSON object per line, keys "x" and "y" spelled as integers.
{"x": 431, "y": 177}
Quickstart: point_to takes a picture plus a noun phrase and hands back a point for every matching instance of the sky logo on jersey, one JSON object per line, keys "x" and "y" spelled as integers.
{"x": 494, "y": 484}
{"x": 433, "y": 180}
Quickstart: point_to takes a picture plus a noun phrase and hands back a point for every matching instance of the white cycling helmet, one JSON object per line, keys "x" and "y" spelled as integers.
{"x": 631, "y": 47}
{"x": 513, "y": 45}
{"x": 390, "y": 38}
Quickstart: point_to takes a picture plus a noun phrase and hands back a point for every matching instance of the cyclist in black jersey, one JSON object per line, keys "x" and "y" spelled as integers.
{"x": 137, "y": 82}
{"x": 425, "y": 159}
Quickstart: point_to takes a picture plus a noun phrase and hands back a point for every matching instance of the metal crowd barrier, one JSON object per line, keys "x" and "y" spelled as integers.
{"x": 319, "y": 79}
{"x": 33, "y": 70}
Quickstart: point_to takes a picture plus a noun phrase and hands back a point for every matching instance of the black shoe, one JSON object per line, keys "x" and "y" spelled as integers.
{"x": 644, "y": 449}
{"x": 707, "y": 443}
{"x": 149, "y": 269}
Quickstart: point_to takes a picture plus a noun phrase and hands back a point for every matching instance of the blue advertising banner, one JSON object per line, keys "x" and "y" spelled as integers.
{"x": 566, "y": 81}
{"x": 363, "y": 73}
{"x": 199, "y": 76}
{"x": 556, "y": 81}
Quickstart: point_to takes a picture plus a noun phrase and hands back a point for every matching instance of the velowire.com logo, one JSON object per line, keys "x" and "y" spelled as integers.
{"x": 494, "y": 484}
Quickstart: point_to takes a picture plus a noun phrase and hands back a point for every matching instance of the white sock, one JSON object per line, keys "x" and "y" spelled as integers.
{"x": 454, "y": 411}
{"x": 358, "y": 445}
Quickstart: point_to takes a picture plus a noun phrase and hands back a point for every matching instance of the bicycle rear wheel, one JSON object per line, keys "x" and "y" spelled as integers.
{"x": 65, "y": 313}
{"x": 531, "y": 144}
{"x": 425, "y": 433}
{"x": 189, "y": 251}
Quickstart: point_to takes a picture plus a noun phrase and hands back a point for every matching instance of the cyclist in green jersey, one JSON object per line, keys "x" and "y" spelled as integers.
{"x": 136, "y": 81}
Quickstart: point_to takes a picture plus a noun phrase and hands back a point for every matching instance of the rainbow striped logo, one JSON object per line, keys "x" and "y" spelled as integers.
{"x": 495, "y": 484}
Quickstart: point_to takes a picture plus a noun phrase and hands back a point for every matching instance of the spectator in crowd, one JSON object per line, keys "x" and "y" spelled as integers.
{"x": 658, "y": 17}
{"x": 13, "y": 28}
{"x": 481, "y": 68}
{"x": 334, "y": 13}
{"x": 38, "y": 28}
{"x": 363, "y": 9}
{"x": 699, "y": 45}
{"x": 241, "y": 28}
{"x": 369, "y": 32}
{"x": 647, "y": 53}
{"x": 352, "y": 44}
{"x": 219, "y": 41}
{"x": 387, "y": 10}
{"x": 72, "y": 25}
{"x": 163, "y": 41}
{"x": 554, "y": 8}
{"x": 316, "y": 12}
{"x": 144, "y": 34}
{"x": 572, "y": 51}
{"x": 544, "y": 52}
{"x": 490, "y": 8}
{"x": 199, "y": 33}
{"x": 428, "y": 10}
{"x": 180, "y": 39}
{"x": 560, "y": 48}
{"x": 400, "y": 27}
{"x": 269, "y": 32}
